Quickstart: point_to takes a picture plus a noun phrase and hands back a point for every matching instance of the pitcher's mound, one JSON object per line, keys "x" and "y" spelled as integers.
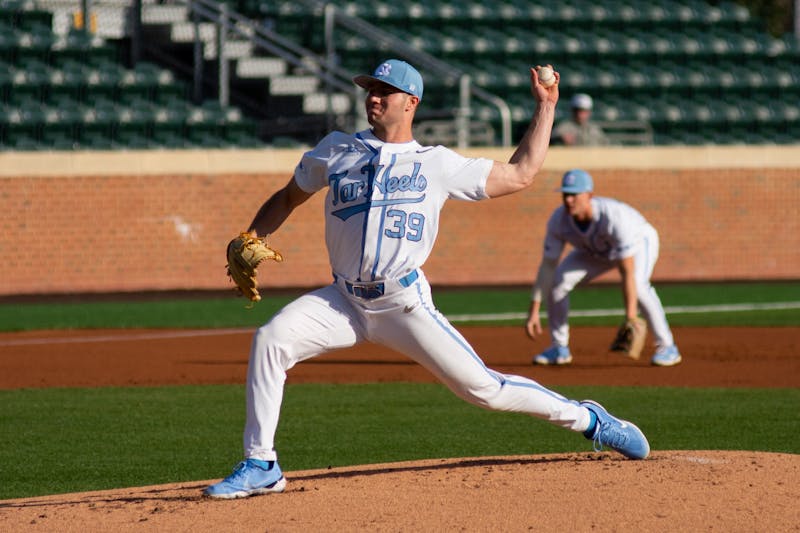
{"x": 670, "y": 491}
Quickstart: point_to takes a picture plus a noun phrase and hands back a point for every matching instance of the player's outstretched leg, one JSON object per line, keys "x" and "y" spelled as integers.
{"x": 618, "y": 434}
{"x": 248, "y": 478}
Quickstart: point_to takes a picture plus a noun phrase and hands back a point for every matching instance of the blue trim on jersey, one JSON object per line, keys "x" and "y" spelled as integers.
{"x": 383, "y": 203}
{"x": 347, "y": 212}
{"x": 366, "y": 205}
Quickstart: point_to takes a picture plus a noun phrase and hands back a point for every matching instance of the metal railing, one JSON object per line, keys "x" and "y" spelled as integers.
{"x": 447, "y": 73}
{"x": 229, "y": 24}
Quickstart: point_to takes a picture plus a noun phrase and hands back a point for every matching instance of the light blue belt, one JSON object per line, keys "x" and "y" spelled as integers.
{"x": 372, "y": 290}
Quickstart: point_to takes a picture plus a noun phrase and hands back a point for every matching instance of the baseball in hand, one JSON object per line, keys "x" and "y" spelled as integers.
{"x": 546, "y": 76}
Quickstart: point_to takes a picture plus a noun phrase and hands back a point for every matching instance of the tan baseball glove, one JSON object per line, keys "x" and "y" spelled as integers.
{"x": 245, "y": 253}
{"x": 630, "y": 338}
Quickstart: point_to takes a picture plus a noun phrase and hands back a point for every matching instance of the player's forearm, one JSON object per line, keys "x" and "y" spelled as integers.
{"x": 631, "y": 301}
{"x": 529, "y": 155}
{"x": 277, "y": 209}
{"x": 528, "y": 158}
{"x": 544, "y": 279}
{"x": 629, "y": 289}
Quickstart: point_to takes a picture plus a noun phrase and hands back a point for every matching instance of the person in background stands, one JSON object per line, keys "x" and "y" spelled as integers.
{"x": 579, "y": 129}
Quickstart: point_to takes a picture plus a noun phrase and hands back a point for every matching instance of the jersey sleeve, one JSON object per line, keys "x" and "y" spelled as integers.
{"x": 311, "y": 173}
{"x": 465, "y": 177}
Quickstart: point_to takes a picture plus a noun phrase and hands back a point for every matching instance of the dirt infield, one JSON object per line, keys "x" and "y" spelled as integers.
{"x": 723, "y": 357}
{"x": 673, "y": 490}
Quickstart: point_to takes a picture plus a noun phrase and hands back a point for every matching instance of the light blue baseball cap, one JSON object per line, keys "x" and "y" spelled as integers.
{"x": 576, "y": 181}
{"x": 396, "y": 73}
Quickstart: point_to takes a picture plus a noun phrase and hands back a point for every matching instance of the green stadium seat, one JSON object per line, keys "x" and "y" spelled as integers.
{"x": 30, "y": 81}
{"x": 8, "y": 43}
{"x": 97, "y": 122}
{"x": 67, "y": 82}
{"x": 102, "y": 83}
{"x": 34, "y": 44}
{"x": 135, "y": 119}
{"x": 6, "y": 82}
{"x": 25, "y": 119}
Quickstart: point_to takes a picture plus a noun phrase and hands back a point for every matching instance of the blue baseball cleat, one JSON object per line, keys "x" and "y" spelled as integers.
{"x": 667, "y": 356}
{"x": 555, "y": 355}
{"x": 618, "y": 434}
{"x": 248, "y": 478}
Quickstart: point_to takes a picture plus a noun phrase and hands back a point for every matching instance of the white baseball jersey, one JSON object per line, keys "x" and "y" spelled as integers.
{"x": 383, "y": 202}
{"x": 615, "y": 231}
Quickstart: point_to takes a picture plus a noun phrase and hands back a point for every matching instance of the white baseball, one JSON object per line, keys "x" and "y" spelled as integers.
{"x": 546, "y": 76}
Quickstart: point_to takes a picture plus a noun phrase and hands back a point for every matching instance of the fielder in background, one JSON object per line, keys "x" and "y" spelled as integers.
{"x": 579, "y": 129}
{"x": 604, "y": 234}
{"x": 382, "y": 205}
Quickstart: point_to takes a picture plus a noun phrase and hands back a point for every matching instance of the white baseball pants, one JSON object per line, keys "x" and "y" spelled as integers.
{"x": 405, "y": 320}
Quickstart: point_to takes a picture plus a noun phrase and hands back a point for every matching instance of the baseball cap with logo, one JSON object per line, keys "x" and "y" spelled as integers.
{"x": 396, "y": 73}
{"x": 581, "y": 101}
{"x": 576, "y": 181}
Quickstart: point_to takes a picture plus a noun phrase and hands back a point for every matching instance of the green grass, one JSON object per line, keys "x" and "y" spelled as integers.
{"x": 68, "y": 440}
{"x": 228, "y": 311}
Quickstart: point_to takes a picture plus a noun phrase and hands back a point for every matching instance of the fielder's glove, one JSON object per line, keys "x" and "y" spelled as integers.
{"x": 245, "y": 253}
{"x": 630, "y": 338}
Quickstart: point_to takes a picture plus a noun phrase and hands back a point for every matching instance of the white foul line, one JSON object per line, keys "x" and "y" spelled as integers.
{"x": 486, "y": 317}
{"x": 150, "y": 335}
{"x": 720, "y": 308}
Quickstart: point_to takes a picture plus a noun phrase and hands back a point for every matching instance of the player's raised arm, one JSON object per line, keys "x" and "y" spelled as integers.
{"x": 527, "y": 160}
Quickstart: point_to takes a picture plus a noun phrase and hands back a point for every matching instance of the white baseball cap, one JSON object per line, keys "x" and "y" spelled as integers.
{"x": 581, "y": 101}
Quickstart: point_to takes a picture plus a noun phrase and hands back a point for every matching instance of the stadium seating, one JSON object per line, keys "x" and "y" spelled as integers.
{"x": 692, "y": 71}
{"x": 71, "y": 91}
{"x": 699, "y": 73}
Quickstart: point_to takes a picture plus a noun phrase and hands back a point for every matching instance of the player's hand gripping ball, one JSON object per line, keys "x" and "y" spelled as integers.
{"x": 245, "y": 253}
{"x": 546, "y": 76}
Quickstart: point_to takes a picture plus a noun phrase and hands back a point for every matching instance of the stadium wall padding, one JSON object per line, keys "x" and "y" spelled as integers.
{"x": 102, "y": 222}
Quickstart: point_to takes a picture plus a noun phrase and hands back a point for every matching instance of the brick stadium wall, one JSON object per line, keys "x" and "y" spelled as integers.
{"x": 74, "y": 223}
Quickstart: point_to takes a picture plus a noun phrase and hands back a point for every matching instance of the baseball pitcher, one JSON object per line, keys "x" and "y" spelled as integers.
{"x": 383, "y": 195}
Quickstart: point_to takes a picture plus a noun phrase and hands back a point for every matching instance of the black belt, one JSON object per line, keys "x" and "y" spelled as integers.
{"x": 369, "y": 291}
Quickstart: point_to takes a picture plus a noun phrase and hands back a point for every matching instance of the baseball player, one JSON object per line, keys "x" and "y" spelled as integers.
{"x": 604, "y": 234}
{"x": 384, "y": 195}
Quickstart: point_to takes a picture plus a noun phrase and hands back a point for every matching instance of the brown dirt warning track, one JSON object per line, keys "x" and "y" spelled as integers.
{"x": 670, "y": 491}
